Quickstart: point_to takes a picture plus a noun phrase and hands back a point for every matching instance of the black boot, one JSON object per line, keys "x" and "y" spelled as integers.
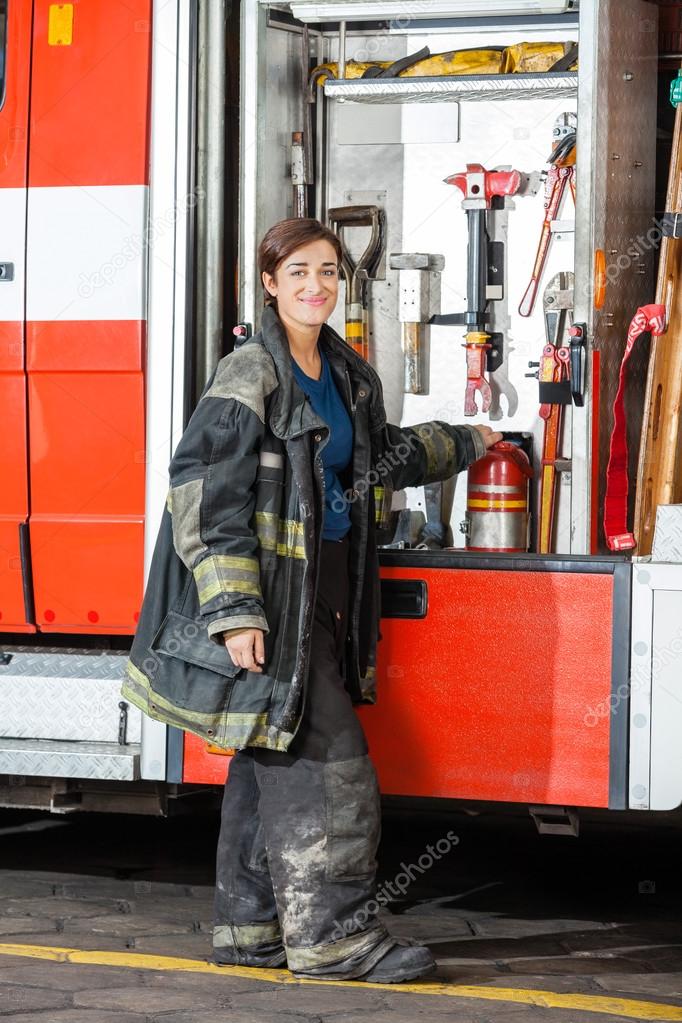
{"x": 274, "y": 957}
{"x": 403, "y": 962}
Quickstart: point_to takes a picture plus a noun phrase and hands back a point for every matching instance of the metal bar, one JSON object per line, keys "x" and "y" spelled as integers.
{"x": 455, "y": 88}
{"x": 320, "y": 183}
{"x": 167, "y": 260}
{"x": 175, "y": 755}
{"x": 565, "y": 563}
{"x": 342, "y": 50}
{"x": 591, "y": 126}
{"x": 251, "y": 84}
{"x": 476, "y": 268}
{"x": 641, "y": 647}
{"x": 620, "y": 685}
{"x": 211, "y": 184}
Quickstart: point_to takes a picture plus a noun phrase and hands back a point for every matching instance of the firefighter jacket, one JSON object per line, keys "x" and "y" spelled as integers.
{"x": 241, "y": 534}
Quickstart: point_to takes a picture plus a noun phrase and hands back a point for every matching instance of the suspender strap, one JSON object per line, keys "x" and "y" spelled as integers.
{"x": 648, "y": 318}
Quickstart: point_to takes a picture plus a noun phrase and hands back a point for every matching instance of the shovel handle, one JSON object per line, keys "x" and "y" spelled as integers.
{"x": 360, "y": 216}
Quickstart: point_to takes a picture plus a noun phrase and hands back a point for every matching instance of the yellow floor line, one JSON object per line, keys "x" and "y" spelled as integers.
{"x": 546, "y": 999}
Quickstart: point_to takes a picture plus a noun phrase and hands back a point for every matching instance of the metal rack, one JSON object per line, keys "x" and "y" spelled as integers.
{"x": 462, "y": 88}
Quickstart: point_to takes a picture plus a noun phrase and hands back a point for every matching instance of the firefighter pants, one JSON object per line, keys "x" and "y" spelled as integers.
{"x": 296, "y": 859}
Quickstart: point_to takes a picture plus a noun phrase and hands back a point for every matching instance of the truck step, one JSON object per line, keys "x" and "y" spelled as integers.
{"x": 555, "y": 820}
{"x": 51, "y": 758}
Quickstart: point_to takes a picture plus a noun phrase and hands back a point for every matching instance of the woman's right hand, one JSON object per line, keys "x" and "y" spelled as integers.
{"x": 489, "y": 435}
{"x": 245, "y": 647}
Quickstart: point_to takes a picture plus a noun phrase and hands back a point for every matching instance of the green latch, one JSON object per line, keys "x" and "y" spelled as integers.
{"x": 676, "y": 89}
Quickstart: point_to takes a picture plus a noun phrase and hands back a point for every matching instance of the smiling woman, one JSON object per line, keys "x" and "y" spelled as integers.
{"x": 275, "y": 490}
{"x": 279, "y": 252}
{"x": 299, "y": 262}
{"x": 314, "y": 809}
{"x": 304, "y": 290}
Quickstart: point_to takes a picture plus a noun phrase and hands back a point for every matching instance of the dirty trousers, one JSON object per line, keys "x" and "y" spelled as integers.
{"x": 296, "y": 859}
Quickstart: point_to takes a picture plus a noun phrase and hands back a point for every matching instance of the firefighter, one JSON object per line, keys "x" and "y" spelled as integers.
{"x": 268, "y": 541}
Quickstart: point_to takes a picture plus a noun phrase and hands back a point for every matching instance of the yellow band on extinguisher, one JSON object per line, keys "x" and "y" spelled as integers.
{"x": 354, "y": 329}
{"x": 475, "y": 503}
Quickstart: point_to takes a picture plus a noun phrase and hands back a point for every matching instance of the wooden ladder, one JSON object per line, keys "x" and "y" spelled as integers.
{"x": 659, "y": 473}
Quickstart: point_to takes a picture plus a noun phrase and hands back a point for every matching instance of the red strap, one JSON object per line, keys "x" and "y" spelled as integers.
{"x": 648, "y": 318}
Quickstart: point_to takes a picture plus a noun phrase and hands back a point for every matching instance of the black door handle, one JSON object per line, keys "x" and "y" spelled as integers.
{"x": 403, "y": 598}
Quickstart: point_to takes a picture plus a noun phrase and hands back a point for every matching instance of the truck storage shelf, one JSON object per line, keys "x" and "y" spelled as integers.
{"x": 458, "y": 88}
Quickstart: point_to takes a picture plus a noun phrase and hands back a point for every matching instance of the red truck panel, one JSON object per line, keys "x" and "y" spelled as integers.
{"x": 14, "y": 492}
{"x": 488, "y": 696}
{"x": 89, "y": 129}
{"x": 89, "y": 99}
{"x": 500, "y": 692}
{"x": 86, "y": 401}
{"x": 13, "y": 449}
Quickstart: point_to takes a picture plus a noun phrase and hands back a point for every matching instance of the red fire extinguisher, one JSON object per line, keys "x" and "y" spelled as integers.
{"x": 497, "y": 500}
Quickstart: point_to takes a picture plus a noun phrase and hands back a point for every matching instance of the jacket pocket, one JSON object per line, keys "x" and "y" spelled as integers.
{"x": 353, "y": 819}
{"x": 187, "y": 639}
{"x": 193, "y": 672}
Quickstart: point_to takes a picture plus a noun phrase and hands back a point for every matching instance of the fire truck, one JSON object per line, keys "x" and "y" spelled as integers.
{"x": 489, "y": 167}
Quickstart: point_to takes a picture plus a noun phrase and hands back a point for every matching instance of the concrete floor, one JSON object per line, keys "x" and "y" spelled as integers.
{"x": 524, "y": 927}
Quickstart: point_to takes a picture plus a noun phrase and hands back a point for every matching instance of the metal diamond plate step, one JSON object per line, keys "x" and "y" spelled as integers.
{"x": 64, "y": 696}
{"x": 94, "y": 760}
{"x": 62, "y": 663}
{"x": 458, "y": 88}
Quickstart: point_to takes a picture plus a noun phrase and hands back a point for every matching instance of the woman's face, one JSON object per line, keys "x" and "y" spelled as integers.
{"x": 306, "y": 285}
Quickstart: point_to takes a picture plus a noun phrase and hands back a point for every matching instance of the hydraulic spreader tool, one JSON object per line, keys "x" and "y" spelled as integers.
{"x": 480, "y": 188}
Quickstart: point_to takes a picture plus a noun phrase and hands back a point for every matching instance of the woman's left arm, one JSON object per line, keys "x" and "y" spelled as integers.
{"x": 410, "y": 456}
{"x": 429, "y": 452}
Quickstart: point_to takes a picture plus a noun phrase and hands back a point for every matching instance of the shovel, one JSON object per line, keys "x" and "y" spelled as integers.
{"x": 357, "y": 273}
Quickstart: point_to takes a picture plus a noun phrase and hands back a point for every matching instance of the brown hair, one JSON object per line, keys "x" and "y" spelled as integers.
{"x": 284, "y": 238}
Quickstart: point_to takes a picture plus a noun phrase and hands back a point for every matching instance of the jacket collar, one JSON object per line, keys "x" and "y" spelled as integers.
{"x": 290, "y": 413}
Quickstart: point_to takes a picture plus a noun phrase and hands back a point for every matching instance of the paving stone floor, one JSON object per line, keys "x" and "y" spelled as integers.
{"x": 505, "y": 909}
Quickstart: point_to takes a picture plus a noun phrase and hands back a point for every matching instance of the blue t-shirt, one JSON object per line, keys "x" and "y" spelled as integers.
{"x": 337, "y": 452}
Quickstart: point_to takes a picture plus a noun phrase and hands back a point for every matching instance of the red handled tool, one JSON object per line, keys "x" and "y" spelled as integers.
{"x": 479, "y": 188}
{"x": 560, "y": 173}
{"x": 560, "y": 376}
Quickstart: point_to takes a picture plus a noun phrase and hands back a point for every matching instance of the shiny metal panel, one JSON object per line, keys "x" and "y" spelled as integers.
{"x": 64, "y": 696}
{"x": 498, "y": 530}
{"x": 461, "y": 88}
{"x": 44, "y": 758}
{"x": 615, "y": 207}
